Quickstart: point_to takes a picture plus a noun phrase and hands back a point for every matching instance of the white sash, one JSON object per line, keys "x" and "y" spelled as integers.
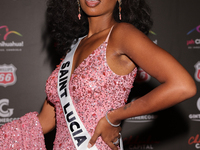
{"x": 79, "y": 134}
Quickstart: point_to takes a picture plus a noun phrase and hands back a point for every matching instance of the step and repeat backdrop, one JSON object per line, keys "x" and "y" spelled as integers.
{"x": 27, "y": 58}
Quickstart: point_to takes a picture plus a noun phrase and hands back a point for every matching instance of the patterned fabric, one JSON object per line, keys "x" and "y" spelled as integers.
{"x": 94, "y": 89}
{"x": 23, "y": 134}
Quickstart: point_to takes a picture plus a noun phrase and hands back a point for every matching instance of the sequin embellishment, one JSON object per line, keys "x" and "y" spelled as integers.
{"x": 94, "y": 89}
{"x": 23, "y": 134}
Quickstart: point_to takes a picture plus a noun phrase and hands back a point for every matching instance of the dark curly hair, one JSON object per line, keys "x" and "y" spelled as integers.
{"x": 62, "y": 16}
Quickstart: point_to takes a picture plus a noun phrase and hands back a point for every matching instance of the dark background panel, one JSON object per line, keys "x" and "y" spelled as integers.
{"x": 175, "y": 128}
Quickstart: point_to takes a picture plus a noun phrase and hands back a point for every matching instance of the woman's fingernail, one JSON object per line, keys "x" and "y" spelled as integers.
{"x": 89, "y": 145}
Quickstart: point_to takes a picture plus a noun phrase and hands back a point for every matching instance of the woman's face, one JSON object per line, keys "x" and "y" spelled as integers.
{"x": 98, "y": 7}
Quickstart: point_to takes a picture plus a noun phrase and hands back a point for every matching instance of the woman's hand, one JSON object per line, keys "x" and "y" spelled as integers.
{"x": 108, "y": 133}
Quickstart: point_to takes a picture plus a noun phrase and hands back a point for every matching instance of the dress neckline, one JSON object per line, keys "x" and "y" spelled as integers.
{"x": 79, "y": 40}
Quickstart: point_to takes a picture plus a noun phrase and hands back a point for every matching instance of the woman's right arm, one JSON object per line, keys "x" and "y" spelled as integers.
{"x": 26, "y": 132}
{"x": 47, "y": 117}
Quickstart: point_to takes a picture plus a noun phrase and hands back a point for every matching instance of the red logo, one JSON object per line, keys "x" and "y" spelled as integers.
{"x": 197, "y": 72}
{"x": 194, "y": 140}
{"x": 142, "y": 76}
{"x": 8, "y": 32}
{"x": 7, "y": 75}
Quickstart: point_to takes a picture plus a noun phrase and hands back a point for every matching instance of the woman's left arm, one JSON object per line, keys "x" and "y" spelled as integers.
{"x": 176, "y": 83}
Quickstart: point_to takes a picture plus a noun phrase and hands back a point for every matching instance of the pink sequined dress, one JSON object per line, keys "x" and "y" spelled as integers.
{"x": 94, "y": 89}
{"x": 23, "y": 134}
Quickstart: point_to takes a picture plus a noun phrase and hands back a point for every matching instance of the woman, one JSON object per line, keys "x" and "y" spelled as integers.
{"x": 105, "y": 41}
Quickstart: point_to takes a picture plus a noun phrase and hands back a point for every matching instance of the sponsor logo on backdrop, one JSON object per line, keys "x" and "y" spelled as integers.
{"x": 143, "y": 118}
{"x": 134, "y": 143}
{"x": 196, "y": 117}
{"x": 5, "y": 112}
{"x": 7, "y": 75}
{"x": 194, "y": 140}
{"x": 142, "y": 76}
{"x": 197, "y": 71}
{"x": 153, "y": 38}
{"x": 193, "y": 41}
{"x": 197, "y": 29}
{"x": 7, "y": 43}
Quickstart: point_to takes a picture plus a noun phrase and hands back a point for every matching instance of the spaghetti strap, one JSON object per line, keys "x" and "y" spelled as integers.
{"x": 109, "y": 34}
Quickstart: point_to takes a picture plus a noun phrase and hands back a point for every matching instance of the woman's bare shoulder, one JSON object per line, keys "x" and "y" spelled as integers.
{"x": 126, "y": 29}
{"x": 124, "y": 34}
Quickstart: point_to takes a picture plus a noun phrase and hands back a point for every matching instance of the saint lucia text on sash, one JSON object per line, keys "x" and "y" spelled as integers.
{"x": 79, "y": 134}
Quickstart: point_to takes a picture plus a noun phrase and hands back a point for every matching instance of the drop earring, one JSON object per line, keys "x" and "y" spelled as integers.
{"x": 79, "y": 10}
{"x": 120, "y": 9}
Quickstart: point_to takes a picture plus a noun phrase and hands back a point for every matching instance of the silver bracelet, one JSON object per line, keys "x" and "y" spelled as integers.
{"x": 109, "y": 120}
